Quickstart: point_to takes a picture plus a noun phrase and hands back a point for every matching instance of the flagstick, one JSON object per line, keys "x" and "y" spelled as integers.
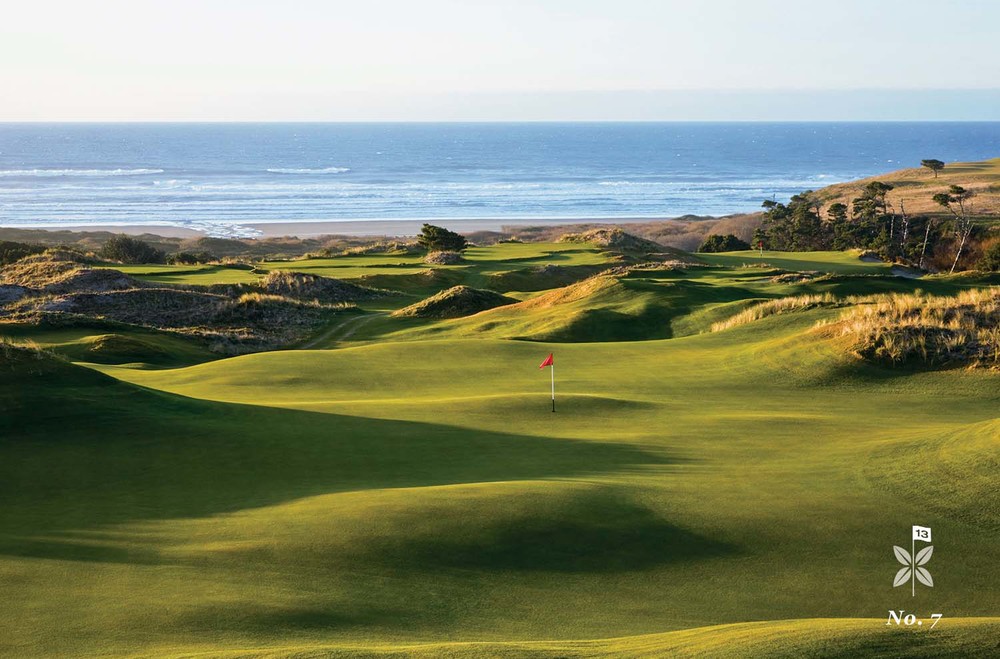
{"x": 553, "y": 368}
{"x": 913, "y": 567}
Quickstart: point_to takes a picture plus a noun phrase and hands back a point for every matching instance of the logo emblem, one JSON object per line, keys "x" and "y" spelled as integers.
{"x": 914, "y": 562}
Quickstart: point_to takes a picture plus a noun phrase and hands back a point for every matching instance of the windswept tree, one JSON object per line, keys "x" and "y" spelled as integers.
{"x": 723, "y": 243}
{"x": 933, "y": 165}
{"x": 955, "y": 200}
{"x": 875, "y": 223}
{"x": 438, "y": 239}
{"x": 837, "y": 213}
{"x": 126, "y": 249}
{"x": 796, "y": 226}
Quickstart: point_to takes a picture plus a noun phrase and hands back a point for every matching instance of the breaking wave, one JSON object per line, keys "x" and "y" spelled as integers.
{"x": 51, "y": 173}
{"x": 306, "y": 170}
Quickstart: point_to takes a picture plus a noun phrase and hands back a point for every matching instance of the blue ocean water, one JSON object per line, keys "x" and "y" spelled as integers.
{"x": 220, "y": 177}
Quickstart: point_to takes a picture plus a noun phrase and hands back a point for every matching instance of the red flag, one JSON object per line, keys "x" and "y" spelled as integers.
{"x": 548, "y": 362}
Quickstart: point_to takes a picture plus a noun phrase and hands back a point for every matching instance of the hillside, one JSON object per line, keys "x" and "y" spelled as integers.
{"x": 915, "y": 187}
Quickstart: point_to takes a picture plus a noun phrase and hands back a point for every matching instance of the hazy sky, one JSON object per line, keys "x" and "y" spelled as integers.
{"x": 501, "y": 60}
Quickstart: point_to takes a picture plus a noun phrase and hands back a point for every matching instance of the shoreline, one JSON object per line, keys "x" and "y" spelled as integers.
{"x": 353, "y": 228}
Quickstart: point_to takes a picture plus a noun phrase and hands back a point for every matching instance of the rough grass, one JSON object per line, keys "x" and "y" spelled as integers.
{"x": 916, "y": 186}
{"x": 963, "y": 329}
{"x": 51, "y": 274}
{"x": 443, "y": 258}
{"x": 313, "y": 287}
{"x": 455, "y": 302}
{"x": 617, "y": 240}
{"x": 776, "y": 307}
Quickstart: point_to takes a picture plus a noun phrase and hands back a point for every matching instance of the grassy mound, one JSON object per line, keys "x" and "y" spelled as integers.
{"x": 541, "y": 277}
{"x": 302, "y": 286}
{"x": 37, "y": 389}
{"x": 150, "y": 307}
{"x": 122, "y": 349}
{"x": 964, "y": 329}
{"x": 831, "y": 638}
{"x": 424, "y": 281}
{"x": 22, "y": 358}
{"x": 613, "y": 238}
{"x": 252, "y": 321}
{"x": 775, "y": 307}
{"x": 443, "y": 258}
{"x": 54, "y": 275}
{"x": 601, "y": 308}
{"x": 455, "y": 302}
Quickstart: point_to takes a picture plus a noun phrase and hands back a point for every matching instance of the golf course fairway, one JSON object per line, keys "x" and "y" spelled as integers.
{"x": 407, "y": 490}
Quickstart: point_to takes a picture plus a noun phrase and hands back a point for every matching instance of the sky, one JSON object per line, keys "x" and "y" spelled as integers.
{"x": 506, "y": 60}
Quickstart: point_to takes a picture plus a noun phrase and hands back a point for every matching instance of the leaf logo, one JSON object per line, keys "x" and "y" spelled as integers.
{"x": 913, "y": 569}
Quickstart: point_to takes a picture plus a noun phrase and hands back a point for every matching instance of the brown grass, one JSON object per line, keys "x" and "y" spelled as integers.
{"x": 894, "y": 329}
{"x": 916, "y": 186}
{"x": 777, "y": 307}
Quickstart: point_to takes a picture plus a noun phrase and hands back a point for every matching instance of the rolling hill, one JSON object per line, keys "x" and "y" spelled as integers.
{"x": 408, "y": 492}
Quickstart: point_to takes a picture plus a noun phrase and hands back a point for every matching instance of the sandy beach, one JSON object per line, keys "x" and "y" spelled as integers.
{"x": 400, "y": 228}
{"x": 393, "y": 228}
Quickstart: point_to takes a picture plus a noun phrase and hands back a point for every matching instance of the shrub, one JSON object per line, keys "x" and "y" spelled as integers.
{"x": 439, "y": 239}
{"x": 723, "y": 243}
{"x": 990, "y": 260}
{"x": 126, "y": 249}
{"x": 11, "y": 251}
{"x": 191, "y": 258}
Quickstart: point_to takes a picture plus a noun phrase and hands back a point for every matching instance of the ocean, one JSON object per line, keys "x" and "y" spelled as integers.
{"x": 220, "y": 178}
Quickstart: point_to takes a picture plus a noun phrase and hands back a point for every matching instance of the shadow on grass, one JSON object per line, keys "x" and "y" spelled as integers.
{"x": 79, "y": 450}
{"x": 593, "y": 532}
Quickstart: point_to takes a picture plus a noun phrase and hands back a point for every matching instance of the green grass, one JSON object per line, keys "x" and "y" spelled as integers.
{"x": 712, "y": 494}
{"x": 834, "y": 262}
{"x": 481, "y": 263}
{"x": 649, "y": 304}
{"x": 196, "y": 275}
{"x": 792, "y": 639}
{"x": 112, "y": 344}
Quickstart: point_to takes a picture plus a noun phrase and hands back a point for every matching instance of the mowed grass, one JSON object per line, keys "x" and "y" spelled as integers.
{"x": 479, "y": 264}
{"x": 111, "y": 343}
{"x": 188, "y": 275}
{"x": 833, "y": 262}
{"x": 647, "y": 304}
{"x": 791, "y": 639}
{"x": 735, "y": 493}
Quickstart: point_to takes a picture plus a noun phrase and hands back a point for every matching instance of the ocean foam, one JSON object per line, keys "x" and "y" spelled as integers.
{"x": 323, "y": 170}
{"x": 49, "y": 173}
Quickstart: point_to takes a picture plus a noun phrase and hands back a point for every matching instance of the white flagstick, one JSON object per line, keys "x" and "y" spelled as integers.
{"x": 552, "y": 366}
{"x": 913, "y": 566}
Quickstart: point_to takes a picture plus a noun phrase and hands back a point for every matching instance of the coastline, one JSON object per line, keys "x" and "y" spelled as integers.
{"x": 407, "y": 228}
{"x": 353, "y": 228}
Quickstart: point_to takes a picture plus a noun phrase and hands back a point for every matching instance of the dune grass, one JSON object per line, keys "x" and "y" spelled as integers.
{"x": 932, "y": 329}
{"x": 734, "y": 493}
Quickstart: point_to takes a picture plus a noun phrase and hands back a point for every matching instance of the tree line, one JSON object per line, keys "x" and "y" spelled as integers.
{"x": 873, "y": 222}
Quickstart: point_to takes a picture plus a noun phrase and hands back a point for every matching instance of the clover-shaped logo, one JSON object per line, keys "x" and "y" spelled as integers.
{"x": 913, "y": 560}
